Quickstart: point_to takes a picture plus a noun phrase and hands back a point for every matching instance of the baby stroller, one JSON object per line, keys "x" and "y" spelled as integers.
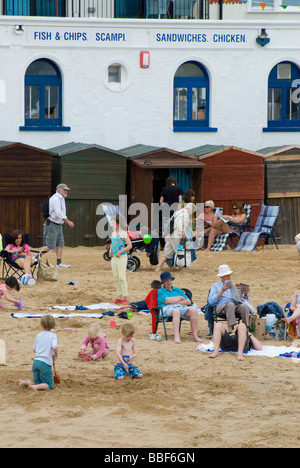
{"x": 138, "y": 244}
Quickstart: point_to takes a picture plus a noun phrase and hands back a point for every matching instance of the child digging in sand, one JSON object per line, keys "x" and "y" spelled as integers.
{"x": 98, "y": 342}
{"x": 11, "y": 283}
{"x": 46, "y": 351}
{"x": 126, "y": 352}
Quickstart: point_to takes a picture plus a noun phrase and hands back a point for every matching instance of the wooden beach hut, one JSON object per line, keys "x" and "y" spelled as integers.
{"x": 149, "y": 167}
{"x": 232, "y": 174}
{"x": 282, "y": 188}
{"x": 95, "y": 175}
{"x": 25, "y": 184}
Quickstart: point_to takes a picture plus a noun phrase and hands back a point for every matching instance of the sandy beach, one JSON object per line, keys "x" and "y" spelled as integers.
{"x": 185, "y": 399}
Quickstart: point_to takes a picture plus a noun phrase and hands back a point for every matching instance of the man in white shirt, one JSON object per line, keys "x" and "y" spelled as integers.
{"x": 53, "y": 226}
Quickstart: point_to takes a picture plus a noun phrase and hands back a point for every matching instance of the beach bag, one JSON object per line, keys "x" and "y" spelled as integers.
{"x": 47, "y": 272}
{"x": 183, "y": 258}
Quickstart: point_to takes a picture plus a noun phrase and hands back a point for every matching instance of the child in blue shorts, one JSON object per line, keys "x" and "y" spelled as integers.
{"x": 46, "y": 351}
{"x": 126, "y": 352}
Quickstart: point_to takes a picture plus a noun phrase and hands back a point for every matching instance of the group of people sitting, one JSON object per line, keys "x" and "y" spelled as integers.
{"x": 188, "y": 223}
{"x": 175, "y": 303}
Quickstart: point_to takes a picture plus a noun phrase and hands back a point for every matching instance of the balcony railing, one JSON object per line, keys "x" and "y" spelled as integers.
{"x": 158, "y": 9}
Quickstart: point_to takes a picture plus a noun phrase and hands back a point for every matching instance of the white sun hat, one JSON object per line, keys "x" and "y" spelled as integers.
{"x": 224, "y": 270}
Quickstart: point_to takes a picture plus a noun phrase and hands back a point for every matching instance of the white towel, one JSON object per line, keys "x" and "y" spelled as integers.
{"x": 2, "y": 353}
{"x": 269, "y": 351}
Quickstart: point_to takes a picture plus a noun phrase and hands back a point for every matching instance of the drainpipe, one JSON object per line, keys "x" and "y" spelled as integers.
{"x": 221, "y": 9}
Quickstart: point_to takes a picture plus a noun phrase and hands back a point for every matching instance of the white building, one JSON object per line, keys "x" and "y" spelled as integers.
{"x": 171, "y": 74}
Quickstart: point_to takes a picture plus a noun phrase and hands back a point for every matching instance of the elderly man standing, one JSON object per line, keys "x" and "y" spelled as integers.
{"x": 53, "y": 227}
{"x": 221, "y": 295}
{"x": 174, "y": 303}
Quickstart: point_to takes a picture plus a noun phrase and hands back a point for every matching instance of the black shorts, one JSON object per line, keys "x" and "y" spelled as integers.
{"x": 230, "y": 342}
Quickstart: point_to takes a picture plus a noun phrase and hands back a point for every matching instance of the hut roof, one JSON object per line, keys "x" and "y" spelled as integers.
{"x": 153, "y": 157}
{"x": 10, "y": 144}
{"x": 284, "y": 150}
{"x": 207, "y": 151}
{"x": 72, "y": 147}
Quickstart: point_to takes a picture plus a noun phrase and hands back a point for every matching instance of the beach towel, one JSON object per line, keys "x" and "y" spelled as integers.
{"x": 56, "y": 315}
{"x": 2, "y": 353}
{"x": 101, "y": 305}
{"x": 268, "y": 351}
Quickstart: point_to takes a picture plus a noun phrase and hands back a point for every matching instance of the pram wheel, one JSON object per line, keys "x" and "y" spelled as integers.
{"x": 132, "y": 265}
{"x": 106, "y": 256}
{"x": 137, "y": 261}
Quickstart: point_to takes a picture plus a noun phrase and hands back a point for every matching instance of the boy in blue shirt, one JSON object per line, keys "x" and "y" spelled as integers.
{"x": 174, "y": 303}
{"x": 46, "y": 351}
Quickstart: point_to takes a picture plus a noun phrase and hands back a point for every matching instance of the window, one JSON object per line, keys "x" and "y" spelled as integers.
{"x": 114, "y": 74}
{"x": 34, "y": 7}
{"x": 283, "y": 98}
{"x": 191, "y": 98}
{"x": 43, "y": 97}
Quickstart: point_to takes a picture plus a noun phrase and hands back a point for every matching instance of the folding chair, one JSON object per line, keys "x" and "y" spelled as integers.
{"x": 10, "y": 268}
{"x": 221, "y": 241}
{"x": 264, "y": 227}
{"x": 159, "y": 318}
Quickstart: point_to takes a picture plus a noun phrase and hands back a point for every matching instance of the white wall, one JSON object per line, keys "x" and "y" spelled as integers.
{"x": 142, "y": 112}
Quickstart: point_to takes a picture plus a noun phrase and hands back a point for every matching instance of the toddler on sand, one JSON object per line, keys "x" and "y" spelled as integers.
{"x": 98, "y": 342}
{"x": 11, "y": 283}
{"x": 46, "y": 351}
{"x": 126, "y": 352}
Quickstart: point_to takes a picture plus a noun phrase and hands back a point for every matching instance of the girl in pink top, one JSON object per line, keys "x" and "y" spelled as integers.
{"x": 20, "y": 252}
{"x": 98, "y": 342}
{"x": 11, "y": 283}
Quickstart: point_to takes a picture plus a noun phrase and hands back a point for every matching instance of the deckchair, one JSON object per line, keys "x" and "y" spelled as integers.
{"x": 159, "y": 318}
{"x": 10, "y": 268}
{"x": 221, "y": 241}
{"x": 264, "y": 227}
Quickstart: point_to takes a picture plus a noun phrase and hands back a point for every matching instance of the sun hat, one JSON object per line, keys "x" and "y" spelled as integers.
{"x": 224, "y": 270}
{"x": 165, "y": 276}
{"x": 62, "y": 186}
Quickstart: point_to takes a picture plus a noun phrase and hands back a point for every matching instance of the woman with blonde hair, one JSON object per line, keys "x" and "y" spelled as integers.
{"x": 98, "y": 342}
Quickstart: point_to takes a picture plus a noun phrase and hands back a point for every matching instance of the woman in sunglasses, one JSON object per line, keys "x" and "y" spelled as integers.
{"x": 227, "y": 223}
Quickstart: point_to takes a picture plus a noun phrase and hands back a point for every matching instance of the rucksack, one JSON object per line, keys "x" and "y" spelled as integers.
{"x": 45, "y": 209}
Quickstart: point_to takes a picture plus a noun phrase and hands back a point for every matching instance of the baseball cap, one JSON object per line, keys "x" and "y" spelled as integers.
{"x": 62, "y": 186}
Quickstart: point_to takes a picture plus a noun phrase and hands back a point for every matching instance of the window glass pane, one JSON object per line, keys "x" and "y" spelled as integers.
{"x": 292, "y": 104}
{"x": 32, "y": 102}
{"x": 284, "y": 71}
{"x": 51, "y": 102}
{"x": 189, "y": 70}
{"x": 180, "y": 104}
{"x": 41, "y": 67}
{"x": 274, "y": 103}
{"x": 114, "y": 74}
{"x": 199, "y": 103}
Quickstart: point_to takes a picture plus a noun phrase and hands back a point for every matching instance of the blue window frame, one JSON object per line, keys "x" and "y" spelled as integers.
{"x": 43, "y": 97}
{"x": 191, "y": 98}
{"x": 283, "y": 98}
{"x": 34, "y": 7}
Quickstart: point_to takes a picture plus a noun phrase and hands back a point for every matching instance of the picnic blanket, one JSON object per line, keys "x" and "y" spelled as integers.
{"x": 269, "y": 351}
{"x": 101, "y": 305}
{"x": 56, "y": 315}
